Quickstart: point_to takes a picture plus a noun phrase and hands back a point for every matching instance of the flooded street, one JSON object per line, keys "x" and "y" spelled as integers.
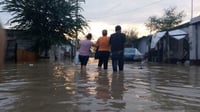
{"x": 51, "y": 87}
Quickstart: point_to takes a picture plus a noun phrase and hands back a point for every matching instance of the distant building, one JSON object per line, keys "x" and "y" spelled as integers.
{"x": 19, "y": 48}
{"x": 15, "y": 40}
{"x": 172, "y": 44}
{"x": 169, "y": 46}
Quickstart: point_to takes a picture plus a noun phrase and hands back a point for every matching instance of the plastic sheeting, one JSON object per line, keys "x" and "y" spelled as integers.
{"x": 179, "y": 37}
{"x": 177, "y": 34}
{"x": 156, "y": 37}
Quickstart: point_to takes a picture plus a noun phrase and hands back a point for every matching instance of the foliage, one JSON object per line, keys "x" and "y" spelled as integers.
{"x": 45, "y": 21}
{"x": 131, "y": 35}
{"x": 169, "y": 19}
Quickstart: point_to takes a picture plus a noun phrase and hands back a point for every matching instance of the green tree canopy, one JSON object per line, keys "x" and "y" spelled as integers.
{"x": 131, "y": 35}
{"x": 45, "y": 20}
{"x": 169, "y": 19}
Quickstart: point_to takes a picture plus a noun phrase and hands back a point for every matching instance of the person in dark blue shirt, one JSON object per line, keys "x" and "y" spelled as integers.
{"x": 117, "y": 43}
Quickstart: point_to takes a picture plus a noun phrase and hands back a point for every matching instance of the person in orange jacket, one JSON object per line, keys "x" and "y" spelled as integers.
{"x": 103, "y": 50}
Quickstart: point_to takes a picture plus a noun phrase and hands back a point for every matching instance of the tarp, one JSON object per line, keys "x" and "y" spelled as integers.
{"x": 179, "y": 37}
{"x": 177, "y": 34}
{"x": 156, "y": 37}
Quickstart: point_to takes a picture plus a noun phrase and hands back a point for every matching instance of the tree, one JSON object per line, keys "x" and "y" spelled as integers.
{"x": 45, "y": 21}
{"x": 131, "y": 35}
{"x": 169, "y": 19}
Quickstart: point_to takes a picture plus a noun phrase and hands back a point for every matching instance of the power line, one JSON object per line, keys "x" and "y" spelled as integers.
{"x": 138, "y": 8}
{"x": 128, "y": 11}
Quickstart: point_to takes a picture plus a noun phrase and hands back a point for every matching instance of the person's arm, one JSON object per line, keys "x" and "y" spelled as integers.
{"x": 110, "y": 39}
{"x": 79, "y": 45}
{"x": 97, "y": 43}
{"x": 2, "y": 45}
{"x": 93, "y": 44}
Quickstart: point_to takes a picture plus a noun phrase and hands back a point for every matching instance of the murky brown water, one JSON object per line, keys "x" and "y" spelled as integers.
{"x": 51, "y": 87}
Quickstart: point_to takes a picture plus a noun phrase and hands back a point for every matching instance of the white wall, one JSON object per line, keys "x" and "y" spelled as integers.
{"x": 194, "y": 35}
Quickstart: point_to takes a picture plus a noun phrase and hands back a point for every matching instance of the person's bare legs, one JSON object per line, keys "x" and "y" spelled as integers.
{"x": 83, "y": 67}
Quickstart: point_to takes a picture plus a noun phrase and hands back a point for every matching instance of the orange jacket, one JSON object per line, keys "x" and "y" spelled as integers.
{"x": 103, "y": 43}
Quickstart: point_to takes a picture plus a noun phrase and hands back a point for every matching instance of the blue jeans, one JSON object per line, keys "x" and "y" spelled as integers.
{"x": 117, "y": 60}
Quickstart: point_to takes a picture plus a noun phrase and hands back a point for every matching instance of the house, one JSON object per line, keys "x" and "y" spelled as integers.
{"x": 17, "y": 44}
{"x": 19, "y": 48}
{"x": 194, "y": 35}
{"x": 170, "y": 45}
{"x": 166, "y": 46}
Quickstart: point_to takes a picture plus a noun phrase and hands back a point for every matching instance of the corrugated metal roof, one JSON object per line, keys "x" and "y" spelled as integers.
{"x": 195, "y": 20}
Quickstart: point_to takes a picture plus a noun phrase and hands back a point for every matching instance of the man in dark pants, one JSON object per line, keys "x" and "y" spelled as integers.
{"x": 117, "y": 43}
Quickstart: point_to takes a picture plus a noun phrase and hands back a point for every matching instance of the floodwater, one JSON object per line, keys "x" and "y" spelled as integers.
{"x": 53, "y": 87}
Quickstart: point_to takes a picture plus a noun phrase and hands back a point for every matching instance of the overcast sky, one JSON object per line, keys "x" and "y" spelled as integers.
{"x": 132, "y": 13}
{"x": 105, "y": 14}
{"x": 126, "y": 11}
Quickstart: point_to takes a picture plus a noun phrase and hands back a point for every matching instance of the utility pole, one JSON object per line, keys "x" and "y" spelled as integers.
{"x": 192, "y": 9}
{"x": 76, "y": 32}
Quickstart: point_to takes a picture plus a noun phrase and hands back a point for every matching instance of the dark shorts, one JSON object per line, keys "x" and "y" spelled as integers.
{"x": 83, "y": 59}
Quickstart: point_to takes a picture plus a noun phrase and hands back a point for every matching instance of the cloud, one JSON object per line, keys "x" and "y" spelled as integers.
{"x": 133, "y": 12}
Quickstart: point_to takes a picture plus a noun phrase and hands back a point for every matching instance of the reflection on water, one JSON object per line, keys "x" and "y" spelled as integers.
{"x": 53, "y": 87}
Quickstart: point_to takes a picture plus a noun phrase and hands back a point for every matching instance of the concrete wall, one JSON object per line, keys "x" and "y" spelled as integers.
{"x": 194, "y": 35}
{"x": 15, "y": 42}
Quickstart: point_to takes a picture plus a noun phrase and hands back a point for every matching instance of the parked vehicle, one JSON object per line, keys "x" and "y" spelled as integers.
{"x": 132, "y": 54}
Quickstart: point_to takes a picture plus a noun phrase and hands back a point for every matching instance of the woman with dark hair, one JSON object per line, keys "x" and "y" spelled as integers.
{"x": 84, "y": 50}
